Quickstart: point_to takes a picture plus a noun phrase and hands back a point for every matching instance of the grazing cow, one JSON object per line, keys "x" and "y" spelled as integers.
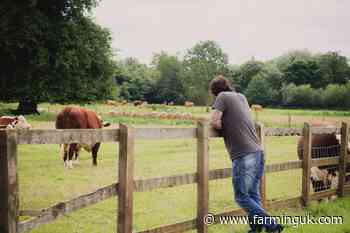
{"x": 257, "y": 108}
{"x": 144, "y": 104}
{"x": 17, "y": 122}
{"x": 322, "y": 145}
{"x": 112, "y": 102}
{"x": 138, "y": 102}
{"x": 189, "y": 104}
{"x": 78, "y": 118}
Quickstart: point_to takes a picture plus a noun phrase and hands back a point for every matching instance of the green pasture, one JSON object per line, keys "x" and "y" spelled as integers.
{"x": 44, "y": 181}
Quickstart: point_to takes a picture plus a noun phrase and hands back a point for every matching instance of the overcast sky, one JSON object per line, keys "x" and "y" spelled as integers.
{"x": 243, "y": 28}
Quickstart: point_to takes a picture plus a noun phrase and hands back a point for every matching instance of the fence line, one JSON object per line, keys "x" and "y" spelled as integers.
{"x": 126, "y": 185}
{"x": 54, "y": 136}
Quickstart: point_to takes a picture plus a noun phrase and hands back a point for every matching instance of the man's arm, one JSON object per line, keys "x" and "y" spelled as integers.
{"x": 216, "y": 119}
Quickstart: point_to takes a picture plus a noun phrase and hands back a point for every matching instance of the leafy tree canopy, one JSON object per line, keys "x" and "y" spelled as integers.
{"x": 52, "y": 51}
{"x": 201, "y": 63}
{"x": 169, "y": 86}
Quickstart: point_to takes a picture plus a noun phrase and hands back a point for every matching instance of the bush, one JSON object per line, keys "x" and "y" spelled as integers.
{"x": 259, "y": 91}
{"x": 347, "y": 95}
{"x": 335, "y": 95}
{"x": 301, "y": 96}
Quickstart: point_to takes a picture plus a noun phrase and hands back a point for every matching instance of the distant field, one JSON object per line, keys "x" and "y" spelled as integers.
{"x": 44, "y": 181}
{"x": 270, "y": 117}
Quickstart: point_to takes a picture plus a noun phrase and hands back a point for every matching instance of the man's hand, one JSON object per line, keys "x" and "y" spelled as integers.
{"x": 216, "y": 121}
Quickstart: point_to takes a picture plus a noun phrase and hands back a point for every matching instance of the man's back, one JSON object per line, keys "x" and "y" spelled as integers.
{"x": 237, "y": 124}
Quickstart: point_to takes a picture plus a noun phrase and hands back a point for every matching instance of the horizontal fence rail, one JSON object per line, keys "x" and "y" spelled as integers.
{"x": 127, "y": 185}
{"x": 62, "y": 208}
{"x": 88, "y": 136}
{"x": 58, "y": 136}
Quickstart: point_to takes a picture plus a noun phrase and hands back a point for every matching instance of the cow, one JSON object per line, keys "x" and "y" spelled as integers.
{"x": 78, "y": 118}
{"x": 112, "y": 102}
{"x": 322, "y": 146}
{"x": 189, "y": 104}
{"x": 16, "y": 122}
{"x": 138, "y": 103}
{"x": 257, "y": 108}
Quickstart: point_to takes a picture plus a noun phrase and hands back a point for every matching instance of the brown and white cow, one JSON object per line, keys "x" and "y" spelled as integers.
{"x": 189, "y": 104}
{"x": 16, "y": 122}
{"x": 78, "y": 118}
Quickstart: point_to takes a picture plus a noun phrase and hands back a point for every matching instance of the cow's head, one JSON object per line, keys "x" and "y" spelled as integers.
{"x": 104, "y": 123}
{"x": 19, "y": 122}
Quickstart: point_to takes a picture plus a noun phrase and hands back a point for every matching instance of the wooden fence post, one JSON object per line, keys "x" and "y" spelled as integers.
{"x": 306, "y": 180}
{"x": 343, "y": 160}
{"x": 203, "y": 175}
{"x": 126, "y": 179}
{"x": 261, "y": 134}
{"x": 9, "y": 201}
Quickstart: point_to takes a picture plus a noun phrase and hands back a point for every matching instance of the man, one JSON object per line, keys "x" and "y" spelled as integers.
{"x": 232, "y": 116}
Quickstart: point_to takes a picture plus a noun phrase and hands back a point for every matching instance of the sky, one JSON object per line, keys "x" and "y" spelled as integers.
{"x": 262, "y": 29}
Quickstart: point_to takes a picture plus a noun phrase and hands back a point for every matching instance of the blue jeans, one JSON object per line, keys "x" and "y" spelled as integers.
{"x": 246, "y": 175}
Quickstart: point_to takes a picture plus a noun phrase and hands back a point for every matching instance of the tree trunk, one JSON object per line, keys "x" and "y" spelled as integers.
{"x": 27, "y": 107}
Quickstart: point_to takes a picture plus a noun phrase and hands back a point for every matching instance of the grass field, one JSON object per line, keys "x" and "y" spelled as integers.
{"x": 269, "y": 117}
{"x": 44, "y": 181}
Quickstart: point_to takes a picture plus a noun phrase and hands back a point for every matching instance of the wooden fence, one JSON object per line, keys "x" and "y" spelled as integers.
{"x": 126, "y": 185}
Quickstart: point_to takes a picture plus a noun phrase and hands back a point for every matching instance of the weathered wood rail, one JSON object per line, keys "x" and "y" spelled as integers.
{"x": 127, "y": 185}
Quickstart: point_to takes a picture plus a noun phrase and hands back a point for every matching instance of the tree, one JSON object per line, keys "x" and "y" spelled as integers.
{"x": 301, "y": 96}
{"x": 302, "y": 72}
{"x": 335, "y": 96}
{"x": 234, "y": 75}
{"x": 264, "y": 88}
{"x": 51, "y": 51}
{"x": 283, "y": 61}
{"x": 169, "y": 86}
{"x": 333, "y": 69}
{"x": 248, "y": 70}
{"x": 135, "y": 81}
{"x": 201, "y": 64}
{"x": 260, "y": 92}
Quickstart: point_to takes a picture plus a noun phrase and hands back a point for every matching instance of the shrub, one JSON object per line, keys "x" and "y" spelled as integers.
{"x": 334, "y": 95}
{"x": 260, "y": 91}
{"x": 301, "y": 96}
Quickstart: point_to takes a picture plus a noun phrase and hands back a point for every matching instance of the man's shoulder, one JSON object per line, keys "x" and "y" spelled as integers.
{"x": 226, "y": 94}
{"x": 231, "y": 95}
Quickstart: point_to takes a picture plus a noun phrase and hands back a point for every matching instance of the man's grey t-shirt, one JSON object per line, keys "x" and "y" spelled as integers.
{"x": 237, "y": 124}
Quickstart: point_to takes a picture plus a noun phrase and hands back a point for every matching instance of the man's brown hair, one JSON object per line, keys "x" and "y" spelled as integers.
{"x": 220, "y": 84}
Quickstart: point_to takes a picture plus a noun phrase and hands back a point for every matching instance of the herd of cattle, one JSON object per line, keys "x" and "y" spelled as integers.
{"x": 324, "y": 145}
{"x": 141, "y": 103}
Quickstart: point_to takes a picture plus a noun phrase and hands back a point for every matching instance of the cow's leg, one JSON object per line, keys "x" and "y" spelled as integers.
{"x": 76, "y": 154}
{"x": 94, "y": 153}
{"x": 72, "y": 150}
{"x": 64, "y": 154}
